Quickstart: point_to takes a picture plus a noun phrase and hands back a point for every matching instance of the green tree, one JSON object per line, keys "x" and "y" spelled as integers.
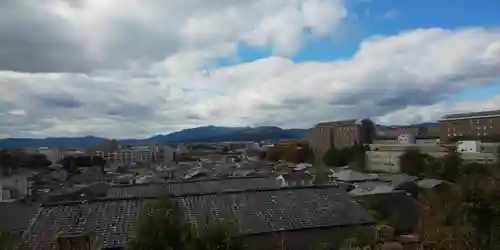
{"x": 333, "y": 158}
{"x": 217, "y": 235}
{"x": 379, "y": 237}
{"x": 321, "y": 175}
{"x": 411, "y": 188}
{"x": 37, "y": 161}
{"x": 452, "y": 163}
{"x": 357, "y": 160}
{"x": 413, "y": 162}
{"x": 160, "y": 228}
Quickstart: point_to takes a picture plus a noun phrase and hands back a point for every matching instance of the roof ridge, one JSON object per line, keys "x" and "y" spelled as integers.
{"x": 170, "y": 195}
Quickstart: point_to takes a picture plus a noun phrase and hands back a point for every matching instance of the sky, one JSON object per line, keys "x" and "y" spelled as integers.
{"x": 133, "y": 69}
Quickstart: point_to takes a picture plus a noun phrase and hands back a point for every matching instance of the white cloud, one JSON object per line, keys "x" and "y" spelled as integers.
{"x": 391, "y": 14}
{"x": 143, "y": 68}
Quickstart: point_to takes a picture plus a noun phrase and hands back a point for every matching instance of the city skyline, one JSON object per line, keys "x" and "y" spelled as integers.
{"x": 138, "y": 69}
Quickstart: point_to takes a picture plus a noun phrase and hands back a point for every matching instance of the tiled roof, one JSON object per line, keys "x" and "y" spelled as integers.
{"x": 371, "y": 187}
{"x": 429, "y": 183}
{"x": 276, "y": 210}
{"x": 15, "y": 216}
{"x": 351, "y": 176}
{"x": 397, "y": 178}
{"x": 192, "y": 187}
{"x": 112, "y": 220}
{"x": 297, "y": 176}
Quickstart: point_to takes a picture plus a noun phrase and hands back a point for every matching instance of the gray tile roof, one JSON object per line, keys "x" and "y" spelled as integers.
{"x": 276, "y": 210}
{"x": 112, "y": 220}
{"x": 429, "y": 183}
{"x": 371, "y": 187}
{"x": 15, "y": 216}
{"x": 397, "y": 178}
{"x": 349, "y": 175}
{"x": 192, "y": 187}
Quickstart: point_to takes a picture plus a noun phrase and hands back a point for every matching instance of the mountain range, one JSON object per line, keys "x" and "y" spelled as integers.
{"x": 191, "y": 135}
{"x": 199, "y": 134}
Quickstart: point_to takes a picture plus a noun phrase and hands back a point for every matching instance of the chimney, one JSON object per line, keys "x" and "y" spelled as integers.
{"x": 76, "y": 241}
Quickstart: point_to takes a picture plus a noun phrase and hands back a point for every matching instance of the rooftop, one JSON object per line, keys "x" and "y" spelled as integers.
{"x": 472, "y": 114}
{"x": 254, "y": 212}
{"x": 338, "y": 123}
{"x": 112, "y": 220}
{"x": 276, "y": 210}
{"x": 192, "y": 187}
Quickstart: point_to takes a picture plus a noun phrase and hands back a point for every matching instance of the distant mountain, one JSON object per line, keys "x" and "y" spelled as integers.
{"x": 64, "y": 142}
{"x": 219, "y": 134}
{"x": 199, "y": 134}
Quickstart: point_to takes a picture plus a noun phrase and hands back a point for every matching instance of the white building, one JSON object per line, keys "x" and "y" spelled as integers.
{"x": 13, "y": 187}
{"x": 127, "y": 156}
{"x": 468, "y": 146}
{"x": 139, "y": 154}
{"x": 385, "y": 157}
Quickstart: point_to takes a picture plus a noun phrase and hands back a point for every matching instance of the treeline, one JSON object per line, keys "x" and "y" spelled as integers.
{"x": 464, "y": 212}
{"x": 292, "y": 153}
{"x": 11, "y": 160}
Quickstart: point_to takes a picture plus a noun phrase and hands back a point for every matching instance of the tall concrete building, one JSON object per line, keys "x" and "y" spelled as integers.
{"x": 470, "y": 125}
{"x": 340, "y": 134}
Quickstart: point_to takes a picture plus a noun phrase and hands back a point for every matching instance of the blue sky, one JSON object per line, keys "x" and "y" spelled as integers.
{"x": 388, "y": 17}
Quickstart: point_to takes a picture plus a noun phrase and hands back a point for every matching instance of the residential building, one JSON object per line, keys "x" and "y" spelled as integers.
{"x": 423, "y": 130}
{"x": 127, "y": 156}
{"x": 295, "y": 178}
{"x": 14, "y": 187}
{"x": 478, "y": 157}
{"x": 385, "y": 157}
{"x": 340, "y": 134}
{"x": 470, "y": 125}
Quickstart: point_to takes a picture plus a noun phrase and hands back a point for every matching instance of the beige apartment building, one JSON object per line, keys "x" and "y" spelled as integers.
{"x": 384, "y": 157}
{"x": 472, "y": 125}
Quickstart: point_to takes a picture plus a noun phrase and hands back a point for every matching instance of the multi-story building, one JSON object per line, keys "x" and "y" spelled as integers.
{"x": 139, "y": 154}
{"x": 470, "y": 125}
{"x": 385, "y": 157}
{"x": 421, "y": 130}
{"x": 127, "y": 156}
{"x": 340, "y": 134}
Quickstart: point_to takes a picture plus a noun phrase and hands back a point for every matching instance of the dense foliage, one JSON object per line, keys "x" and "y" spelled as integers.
{"x": 291, "y": 153}
{"x": 346, "y": 156}
{"x": 10, "y": 160}
{"x": 161, "y": 227}
{"x": 465, "y": 214}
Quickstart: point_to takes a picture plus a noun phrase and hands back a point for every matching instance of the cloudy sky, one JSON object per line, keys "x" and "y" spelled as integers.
{"x": 135, "y": 68}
